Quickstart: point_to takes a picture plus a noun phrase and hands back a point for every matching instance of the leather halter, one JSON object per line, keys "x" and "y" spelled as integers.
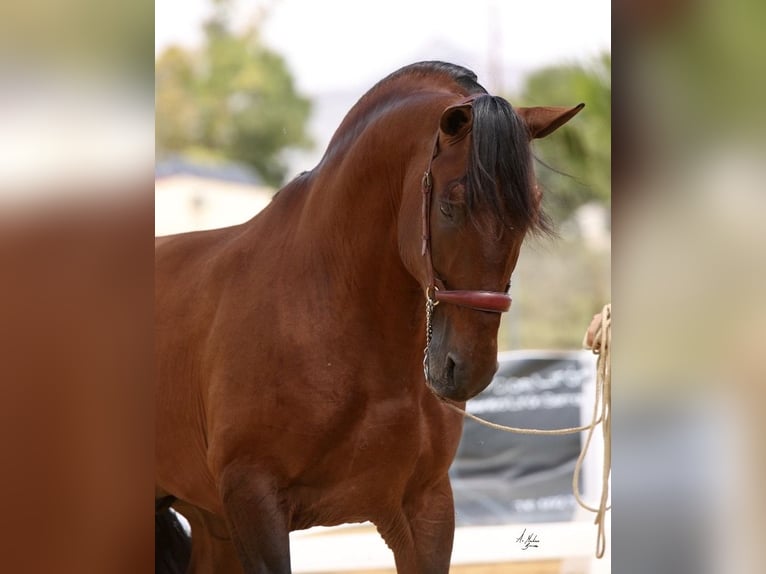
{"x": 487, "y": 301}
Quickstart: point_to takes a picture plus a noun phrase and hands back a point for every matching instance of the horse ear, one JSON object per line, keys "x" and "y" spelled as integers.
{"x": 456, "y": 121}
{"x": 543, "y": 121}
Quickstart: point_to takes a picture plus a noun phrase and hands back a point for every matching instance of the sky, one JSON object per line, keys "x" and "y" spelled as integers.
{"x": 335, "y": 44}
{"x": 338, "y": 49}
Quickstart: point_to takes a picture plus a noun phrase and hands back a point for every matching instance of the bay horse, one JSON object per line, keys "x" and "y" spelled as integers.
{"x": 291, "y": 384}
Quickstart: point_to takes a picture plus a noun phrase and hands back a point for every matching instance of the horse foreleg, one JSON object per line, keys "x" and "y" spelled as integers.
{"x": 257, "y": 521}
{"x": 212, "y": 548}
{"x": 424, "y": 546}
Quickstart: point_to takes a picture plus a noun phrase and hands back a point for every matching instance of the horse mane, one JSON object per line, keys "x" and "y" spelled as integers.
{"x": 499, "y": 176}
{"x": 426, "y": 72}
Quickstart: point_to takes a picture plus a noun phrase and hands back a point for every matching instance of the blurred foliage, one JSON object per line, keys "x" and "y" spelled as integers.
{"x": 557, "y": 287}
{"x": 110, "y": 40}
{"x": 575, "y": 162}
{"x": 699, "y": 80}
{"x": 231, "y": 99}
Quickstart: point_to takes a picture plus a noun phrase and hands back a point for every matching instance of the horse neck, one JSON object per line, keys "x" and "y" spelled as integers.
{"x": 349, "y": 225}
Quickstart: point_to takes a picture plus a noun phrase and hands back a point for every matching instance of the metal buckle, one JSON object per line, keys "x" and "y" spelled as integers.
{"x": 426, "y": 181}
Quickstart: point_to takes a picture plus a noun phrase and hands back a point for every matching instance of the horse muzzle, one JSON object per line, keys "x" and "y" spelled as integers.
{"x": 455, "y": 379}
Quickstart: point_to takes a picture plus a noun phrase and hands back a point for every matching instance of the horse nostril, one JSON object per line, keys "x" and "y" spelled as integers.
{"x": 449, "y": 371}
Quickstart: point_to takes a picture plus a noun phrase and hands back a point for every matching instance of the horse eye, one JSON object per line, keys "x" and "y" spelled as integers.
{"x": 446, "y": 210}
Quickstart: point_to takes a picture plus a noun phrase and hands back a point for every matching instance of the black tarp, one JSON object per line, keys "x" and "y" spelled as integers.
{"x": 500, "y": 477}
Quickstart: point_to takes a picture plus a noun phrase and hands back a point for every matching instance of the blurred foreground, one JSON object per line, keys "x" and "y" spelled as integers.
{"x": 76, "y": 161}
{"x": 690, "y": 271}
{"x": 689, "y": 277}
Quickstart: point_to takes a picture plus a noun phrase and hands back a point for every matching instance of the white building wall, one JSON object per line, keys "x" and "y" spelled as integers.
{"x": 184, "y": 203}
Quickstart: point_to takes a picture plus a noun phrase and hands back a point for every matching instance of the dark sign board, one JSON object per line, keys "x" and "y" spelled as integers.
{"x": 500, "y": 477}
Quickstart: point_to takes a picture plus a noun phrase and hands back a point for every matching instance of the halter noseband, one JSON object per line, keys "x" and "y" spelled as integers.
{"x": 487, "y": 301}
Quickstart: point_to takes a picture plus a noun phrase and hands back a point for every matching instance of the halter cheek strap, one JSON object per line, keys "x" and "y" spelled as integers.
{"x": 487, "y": 301}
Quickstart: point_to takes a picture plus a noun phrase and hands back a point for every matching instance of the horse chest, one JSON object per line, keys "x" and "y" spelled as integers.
{"x": 366, "y": 474}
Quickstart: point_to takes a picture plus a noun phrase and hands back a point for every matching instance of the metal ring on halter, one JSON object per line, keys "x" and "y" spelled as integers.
{"x": 431, "y": 295}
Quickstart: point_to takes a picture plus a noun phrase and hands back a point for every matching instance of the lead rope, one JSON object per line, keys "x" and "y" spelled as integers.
{"x": 602, "y": 414}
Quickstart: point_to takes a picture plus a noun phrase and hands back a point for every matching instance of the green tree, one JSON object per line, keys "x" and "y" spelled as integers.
{"x": 232, "y": 99}
{"x": 582, "y": 148}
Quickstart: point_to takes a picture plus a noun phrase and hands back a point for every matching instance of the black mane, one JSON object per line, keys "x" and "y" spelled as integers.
{"x": 500, "y": 177}
{"x": 463, "y": 77}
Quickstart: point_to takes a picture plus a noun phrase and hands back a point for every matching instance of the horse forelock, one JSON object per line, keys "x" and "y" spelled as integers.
{"x": 500, "y": 183}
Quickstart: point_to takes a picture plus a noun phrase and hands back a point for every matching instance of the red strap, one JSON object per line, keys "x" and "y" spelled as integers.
{"x": 489, "y": 301}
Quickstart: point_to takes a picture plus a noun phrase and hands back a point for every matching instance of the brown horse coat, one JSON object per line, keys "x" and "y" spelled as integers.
{"x": 290, "y": 388}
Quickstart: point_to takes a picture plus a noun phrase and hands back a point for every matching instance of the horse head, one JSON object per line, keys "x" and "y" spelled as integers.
{"x": 478, "y": 202}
